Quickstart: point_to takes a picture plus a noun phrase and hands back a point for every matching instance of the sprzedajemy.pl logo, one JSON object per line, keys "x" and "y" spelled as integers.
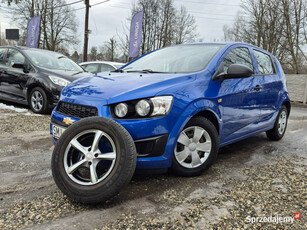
{"x": 273, "y": 219}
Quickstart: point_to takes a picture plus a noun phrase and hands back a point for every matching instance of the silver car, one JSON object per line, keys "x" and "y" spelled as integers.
{"x": 100, "y": 66}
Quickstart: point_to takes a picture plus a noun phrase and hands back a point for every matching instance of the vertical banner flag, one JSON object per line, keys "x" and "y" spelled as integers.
{"x": 135, "y": 34}
{"x": 33, "y": 31}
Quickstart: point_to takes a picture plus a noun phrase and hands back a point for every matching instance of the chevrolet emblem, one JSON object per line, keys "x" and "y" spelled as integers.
{"x": 68, "y": 121}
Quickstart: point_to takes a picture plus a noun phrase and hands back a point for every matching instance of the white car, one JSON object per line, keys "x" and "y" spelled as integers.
{"x": 100, "y": 66}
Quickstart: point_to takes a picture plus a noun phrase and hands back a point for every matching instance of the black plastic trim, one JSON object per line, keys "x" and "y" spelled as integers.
{"x": 151, "y": 147}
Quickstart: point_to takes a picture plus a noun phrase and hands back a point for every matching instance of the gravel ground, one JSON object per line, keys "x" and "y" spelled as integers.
{"x": 23, "y": 122}
{"x": 268, "y": 190}
{"x": 251, "y": 178}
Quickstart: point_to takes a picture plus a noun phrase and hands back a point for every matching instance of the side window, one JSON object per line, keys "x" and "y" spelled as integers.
{"x": 14, "y": 56}
{"x": 2, "y": 53}
{"x": 264, "y": 61}
{"x": 238, "y": 56}
{"x": 92, "y": 68}
{"x": 106, "y": 67}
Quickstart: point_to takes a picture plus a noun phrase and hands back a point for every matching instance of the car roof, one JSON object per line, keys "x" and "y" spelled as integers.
{"x": 227, "y": 45}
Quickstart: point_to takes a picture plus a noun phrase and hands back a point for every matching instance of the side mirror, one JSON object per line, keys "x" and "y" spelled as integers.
{"x": 234, "y": 71}
{"x": 22, "y": 66}
{"x": 17, "y": 65}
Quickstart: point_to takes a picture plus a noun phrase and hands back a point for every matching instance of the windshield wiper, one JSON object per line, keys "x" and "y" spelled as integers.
{"x": 77, "y": 73}
{"x": 117, "y": 71}
{"x": 144, "y": 71}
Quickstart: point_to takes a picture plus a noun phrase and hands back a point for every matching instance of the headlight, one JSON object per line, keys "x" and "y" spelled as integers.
{"x": 155, "y": 106}
{"x": 143, "y": 107}
{"x": 161, "y": 105}
{"x": 121, "y": 110}
{"x": 59, "y": 81}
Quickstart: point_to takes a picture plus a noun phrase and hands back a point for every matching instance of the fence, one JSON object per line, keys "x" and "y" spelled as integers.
{"x": 297, "y": 87}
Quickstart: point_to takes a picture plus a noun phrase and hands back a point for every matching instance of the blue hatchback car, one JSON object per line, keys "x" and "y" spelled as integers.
{"x": 171, "y": 108}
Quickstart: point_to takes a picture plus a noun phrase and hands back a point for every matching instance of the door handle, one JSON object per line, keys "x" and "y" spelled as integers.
{"x": 258, "y": 87}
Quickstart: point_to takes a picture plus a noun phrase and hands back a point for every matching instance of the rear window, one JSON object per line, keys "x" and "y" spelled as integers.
{"x": 264, "y": 61}
{"x": 105, "y": 67}
{"x": 92, "y": 68}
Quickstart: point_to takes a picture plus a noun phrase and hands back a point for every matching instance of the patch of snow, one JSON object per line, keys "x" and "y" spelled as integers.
{"x": 18, "y": 110}
{"x": 10, "y": 107}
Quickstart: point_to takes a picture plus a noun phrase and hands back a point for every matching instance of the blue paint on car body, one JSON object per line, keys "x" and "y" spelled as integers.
{"x": 239, "y": 106}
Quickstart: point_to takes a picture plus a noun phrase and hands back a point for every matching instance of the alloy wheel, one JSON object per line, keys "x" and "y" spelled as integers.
{"x": 37, "y": 100}
{"x": 90, "y": 157}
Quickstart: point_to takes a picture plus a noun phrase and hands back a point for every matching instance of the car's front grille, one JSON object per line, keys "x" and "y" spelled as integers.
{"x": 75, "y": 110}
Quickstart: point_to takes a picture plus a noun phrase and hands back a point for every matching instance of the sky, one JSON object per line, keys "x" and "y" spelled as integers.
{"x": 108, "y": 19}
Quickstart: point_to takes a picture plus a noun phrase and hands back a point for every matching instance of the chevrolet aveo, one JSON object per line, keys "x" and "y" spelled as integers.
{"x": 172, "y": 108}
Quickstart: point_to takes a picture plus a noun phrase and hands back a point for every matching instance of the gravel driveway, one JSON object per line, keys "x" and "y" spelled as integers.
{"x": 252, "y": 178}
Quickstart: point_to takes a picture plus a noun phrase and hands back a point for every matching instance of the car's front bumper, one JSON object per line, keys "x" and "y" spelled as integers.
{"x": 151, "y": 136}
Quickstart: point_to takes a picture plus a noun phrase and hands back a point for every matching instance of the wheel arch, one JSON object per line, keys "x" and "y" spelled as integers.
{"x": 34, "y": 85}
{"x": 205, "y": 108}
{"x": 202, "y": 107}
{"x": 208, "y": 114}
{"x": 288, "y": 106}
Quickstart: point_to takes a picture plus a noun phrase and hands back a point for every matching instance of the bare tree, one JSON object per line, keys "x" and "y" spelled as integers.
{"x": 164, "y": 25}
{"x": 75, "y": 56}
{"x": 93, "y": 53}
{"x": 4, "y": 42}
{"x": 58, "y": 22}
{"x": 278, "y": 26}
{"x": 185, "y": 27}
{"x": 111, "y": 49}
{"x": 294, "y": 13}
{"x": 123, "y": 46}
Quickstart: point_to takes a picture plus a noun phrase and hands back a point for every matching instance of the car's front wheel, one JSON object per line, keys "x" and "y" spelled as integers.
{"x": 197, "y": 147}
{"x": 93, "y": 160}
{"x": 38, "y": 100}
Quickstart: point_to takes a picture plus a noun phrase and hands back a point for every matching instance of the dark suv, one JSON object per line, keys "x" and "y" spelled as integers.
{"x": 35, "y": 77}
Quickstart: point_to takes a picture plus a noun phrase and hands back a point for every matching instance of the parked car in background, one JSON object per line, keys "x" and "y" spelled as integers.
{"x": 172, "y": 108}
{"x": 100, "y": 66}
{"x": 35, "y": 77}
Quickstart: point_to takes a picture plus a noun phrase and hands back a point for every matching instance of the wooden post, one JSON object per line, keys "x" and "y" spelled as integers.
{"x": 87, "y": 7}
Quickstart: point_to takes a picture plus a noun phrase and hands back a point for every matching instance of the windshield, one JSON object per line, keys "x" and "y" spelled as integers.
{"x": 52, "y": 60}
{"x": 118, "y": 65}
{"x": 176, "y": 59}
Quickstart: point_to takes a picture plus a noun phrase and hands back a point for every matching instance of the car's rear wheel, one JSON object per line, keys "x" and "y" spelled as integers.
{"x": 196, "y": 149}
{"x": 38, "y": 100}
{"x": 280, "y": 125}
{"x": 93, "y": 160}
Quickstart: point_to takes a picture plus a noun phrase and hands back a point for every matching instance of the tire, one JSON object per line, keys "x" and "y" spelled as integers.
{"x": 38, "y": 101}
{"x": 188, "y": 159}
{"x": 113, "y": 167}
{"x": 280, "y": 125}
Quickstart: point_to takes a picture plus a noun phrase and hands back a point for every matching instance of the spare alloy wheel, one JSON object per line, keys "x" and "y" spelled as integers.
{"x": 93, "y": 160}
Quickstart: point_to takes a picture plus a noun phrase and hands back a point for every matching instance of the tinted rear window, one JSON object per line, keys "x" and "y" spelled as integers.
{"x": 264, "y": 61}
